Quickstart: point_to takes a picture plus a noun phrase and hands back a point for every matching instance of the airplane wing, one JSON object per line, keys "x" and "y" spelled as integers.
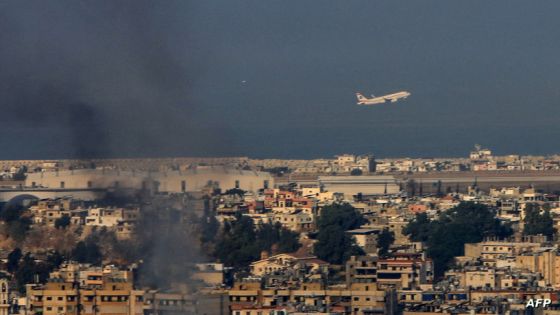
{"x": 391, "y": 99}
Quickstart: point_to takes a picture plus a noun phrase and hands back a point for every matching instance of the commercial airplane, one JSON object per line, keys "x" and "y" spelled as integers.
{"x": 392, "y": 98}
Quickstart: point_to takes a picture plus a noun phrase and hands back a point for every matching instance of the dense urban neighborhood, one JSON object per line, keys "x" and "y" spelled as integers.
{"x": 349, "y": 235}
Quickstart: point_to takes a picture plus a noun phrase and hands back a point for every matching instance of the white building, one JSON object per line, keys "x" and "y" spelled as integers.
{"x": 353, "y": 185}
{"x": 170, "y": 181}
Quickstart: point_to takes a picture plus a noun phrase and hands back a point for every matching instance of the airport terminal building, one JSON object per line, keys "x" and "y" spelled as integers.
{"x": 168, "y": 181}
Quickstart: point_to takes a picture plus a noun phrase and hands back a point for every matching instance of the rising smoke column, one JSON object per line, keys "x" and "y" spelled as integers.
{"x": 97, "y": 79}
{"x": 102, "y": 79}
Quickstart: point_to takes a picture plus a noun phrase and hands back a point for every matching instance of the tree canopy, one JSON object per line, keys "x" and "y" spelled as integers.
{"x": 445, "y": 237}
{"x": 356, "y": 172}
{"x": 418, "y": 229}
{"x": 384, "y": 241}
{"x": 333, "y": 243}
{"x": 62, "y": 222}
{"x": 87, "y": 252}
{"x": 537, "y": 221}
{"x": 13, "y": 260}
{"x": 240, "y": 242}
{"x": 29, "y": 270}
{"x": 17, "y": 224}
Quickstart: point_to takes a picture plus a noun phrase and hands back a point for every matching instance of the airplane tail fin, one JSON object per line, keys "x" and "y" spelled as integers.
{"x": 360, "y": 97}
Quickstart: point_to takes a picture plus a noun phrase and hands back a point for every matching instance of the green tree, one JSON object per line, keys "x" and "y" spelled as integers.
{"x": 384, "y": 241}
{"x": 333, "y": 243}
{"x": 30, "y": 271}
{"x": 343, "y": 215}
{"x": 11, "y": 212}
{"x": 288, "y": 241}
{"x": 466, "y": 223}
{"x": 13, "y": 260}
{"x": 87, "y": 252}
{"x": 55, "y": 259}
{"x": 418, "y": 229}
{"x": 17, "y": 230}
{"x": 17, "y": 224}
{"x": 62, "y": 222}
{"x": 269, "y": 235}
{"x": 356, "y": 172}
{"x": 537, "y": 221}
{"x": 237, "y": 246}
{"x": 209, "y": 227}
{"x": 240, "y": 243}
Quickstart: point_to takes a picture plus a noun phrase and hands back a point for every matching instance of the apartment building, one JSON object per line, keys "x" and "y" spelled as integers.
{"x": 57, "y": 296}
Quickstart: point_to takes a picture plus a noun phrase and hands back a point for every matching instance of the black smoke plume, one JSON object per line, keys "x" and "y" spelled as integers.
{"x": 98, "y": 78}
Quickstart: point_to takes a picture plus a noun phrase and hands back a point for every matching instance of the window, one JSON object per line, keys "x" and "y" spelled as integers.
{"x": 89, "y": 184}
{"x": 265, "y": 184}
{"x": 237, "y": 184}
{"x": 61, "y": 184}
{"x": 183, "y": 185}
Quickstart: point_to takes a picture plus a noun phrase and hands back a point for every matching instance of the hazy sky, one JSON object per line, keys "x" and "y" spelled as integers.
{"x": 277, "y": 78}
